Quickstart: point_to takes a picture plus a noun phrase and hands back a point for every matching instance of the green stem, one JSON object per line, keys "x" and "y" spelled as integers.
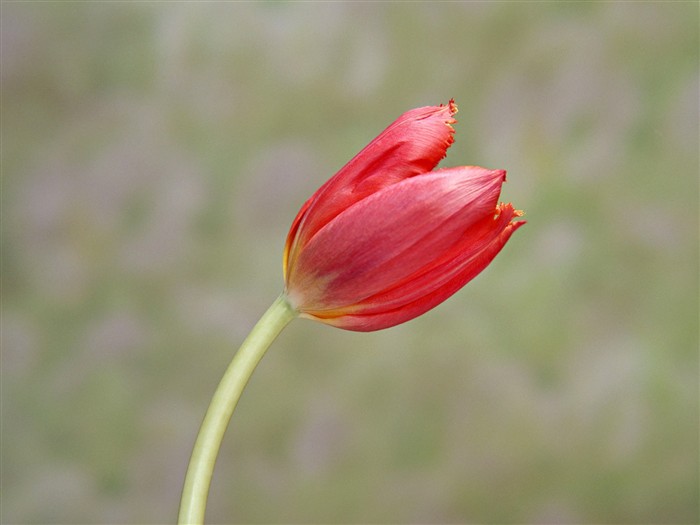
{"x": 206, "y": 448}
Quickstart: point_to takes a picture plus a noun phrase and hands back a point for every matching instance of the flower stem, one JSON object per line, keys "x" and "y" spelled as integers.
{"x": 211, "y": 433}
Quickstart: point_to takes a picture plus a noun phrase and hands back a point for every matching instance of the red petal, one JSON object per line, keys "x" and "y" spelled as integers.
{"x": 412, "y": 145}
{"x": 391, "y": 236}
{"x": 427, "y": 291}
{"x": 467, "y": 253}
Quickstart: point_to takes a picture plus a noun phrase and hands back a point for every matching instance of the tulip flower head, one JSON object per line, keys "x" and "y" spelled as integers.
{"x": 389, "y": 237}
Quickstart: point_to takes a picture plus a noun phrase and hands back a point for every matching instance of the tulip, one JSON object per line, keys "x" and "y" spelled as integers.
{"x": 388, "y": 237}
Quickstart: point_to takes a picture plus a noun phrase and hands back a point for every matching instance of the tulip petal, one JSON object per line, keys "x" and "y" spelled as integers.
{"x": 412, "y": 145}
{"x": 392, "y": 235}
{"x": 468, "y": 253}
{"x": 426, "y": 295}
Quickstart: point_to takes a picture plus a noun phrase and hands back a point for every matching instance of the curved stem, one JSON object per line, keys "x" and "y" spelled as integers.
{"x": 206, "y": 447}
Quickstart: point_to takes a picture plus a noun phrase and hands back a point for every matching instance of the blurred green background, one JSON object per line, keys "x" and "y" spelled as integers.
{"x": 153, "y": 157}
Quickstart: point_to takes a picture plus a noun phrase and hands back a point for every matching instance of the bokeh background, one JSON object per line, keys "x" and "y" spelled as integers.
{"x": 153, "y": 157}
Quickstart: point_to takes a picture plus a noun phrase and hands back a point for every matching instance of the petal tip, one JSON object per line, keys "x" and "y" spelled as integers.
{"x": 507, "y": 207}
{"x": 452, "y": 105}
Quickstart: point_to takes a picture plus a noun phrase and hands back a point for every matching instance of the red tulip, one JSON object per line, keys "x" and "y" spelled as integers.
{"x": 388, "y": 237}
